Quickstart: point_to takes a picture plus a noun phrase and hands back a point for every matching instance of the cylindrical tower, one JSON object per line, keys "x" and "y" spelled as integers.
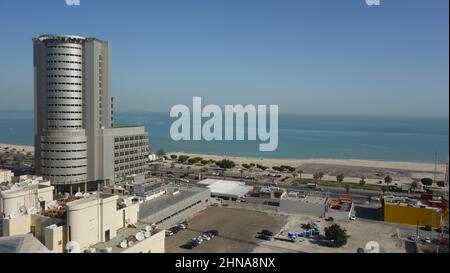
{"x": 60, "y": 137}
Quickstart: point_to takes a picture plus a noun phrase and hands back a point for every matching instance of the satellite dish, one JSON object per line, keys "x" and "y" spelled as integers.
{"x": 107, "y": 250}
{"x": 148, "y": 228}
{"x": 86, "y": 195}
{"x": 372, "y": 247}
{"x": 140, "y": 236}
{"x": 147, "y": 234}
{"x": 124, "y": 244}
{"x": 32, "y": 210}
{"x": 78, "y": 194}
{"x": 23, "y": 209}
{"x": 73, "y": 247}
{"x": 130, "y": 243}
{"x": 12, "y": 215}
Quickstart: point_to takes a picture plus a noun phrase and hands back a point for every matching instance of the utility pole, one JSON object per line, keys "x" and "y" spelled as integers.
{"x": 435, "y": 166}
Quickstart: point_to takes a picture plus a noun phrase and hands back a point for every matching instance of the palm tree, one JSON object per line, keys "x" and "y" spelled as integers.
{"x": 294, "y": 174}
{"x": 300, "y": 174}
{"x": 242, "y": 172}
{"x": 362, "y": 182}
{"x": 340, "y": 178}
{"x": 414, "y": 185}
{"x": 160, "y": 153}
{"x": 320, "y": 175}
{"x": 388, "y": 180}
{"x": 347, "y": 188}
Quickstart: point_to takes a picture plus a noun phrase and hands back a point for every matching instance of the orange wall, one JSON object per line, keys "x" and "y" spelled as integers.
{"x": 413, "y": 215}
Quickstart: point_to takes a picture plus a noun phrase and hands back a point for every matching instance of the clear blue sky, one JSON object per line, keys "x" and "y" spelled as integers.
{"x": 307, "y": 56}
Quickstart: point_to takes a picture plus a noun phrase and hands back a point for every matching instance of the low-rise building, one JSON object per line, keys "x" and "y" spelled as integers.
{"x": 225, "y": 189}
{"x": 5, "y": 176}
{"x": 425, "y": 210}
{"x": 28, "y": 195}
{"x": 174, "y": 206}
{"x": 309, "y": 205}
{"x": 340, "y": 208}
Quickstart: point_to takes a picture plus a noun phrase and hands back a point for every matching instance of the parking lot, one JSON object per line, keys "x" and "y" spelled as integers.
{"x": 237, "y": 230}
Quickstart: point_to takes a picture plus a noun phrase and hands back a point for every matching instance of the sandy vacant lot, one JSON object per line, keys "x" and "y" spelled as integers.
{"x": 360, "y": 233}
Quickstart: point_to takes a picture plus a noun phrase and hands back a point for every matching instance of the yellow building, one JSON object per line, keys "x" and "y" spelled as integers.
{"x": 404, "y": 210}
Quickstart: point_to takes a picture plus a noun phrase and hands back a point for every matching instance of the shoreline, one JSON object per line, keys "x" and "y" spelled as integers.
{"x": 270, "y": 162}
{"x": 295, "y": 162}
{"x": 24, "y": 148}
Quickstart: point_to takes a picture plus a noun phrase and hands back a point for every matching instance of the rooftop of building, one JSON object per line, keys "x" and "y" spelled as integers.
{"x": 22, "y": 244}
{"x": 28, "y": 184}
{"x": 94, "y": 197}
{"x": 424, "y": 201}
{"x": 160, "y": 203}
{"x": 307, "y": 199}
{"x": 125, "y": 233}
{"x": 339, "y": 204}
{"x": 64, "y": 38}
{"x": 227, "y": 187}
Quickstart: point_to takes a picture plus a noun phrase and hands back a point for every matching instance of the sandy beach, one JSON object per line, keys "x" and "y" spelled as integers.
{"x": 270, "y": 162}
{"x": 350, "y": 167}
{"x": 20, "y": 148}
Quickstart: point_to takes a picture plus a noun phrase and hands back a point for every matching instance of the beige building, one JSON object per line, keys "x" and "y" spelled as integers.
{"x": 27, "y": 196}
{"x": 93, "y": 224}
{"x": 5, "y": 176}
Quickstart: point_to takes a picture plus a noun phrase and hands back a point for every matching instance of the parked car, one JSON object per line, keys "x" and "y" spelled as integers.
{"x": 206, "y": 237}
{"x": 174, "y": 230}
{"x": 375, "y": 198}
{"x": 186, "y": 223}
{"x": 264, "y": 237}
{"x": 181, "y": 226}
{"x": 353, "y": 217}
{"x": 329, "y": 219}
{"x": 169, "y": 233}
{"x": 190, "y": 245}
{"x": 267, "y": 232}
{"x": 428, "y": 240}
{"x": 213, "y": 232}
{"x": 427, "y": 228}
{"x": 413, "y": 238}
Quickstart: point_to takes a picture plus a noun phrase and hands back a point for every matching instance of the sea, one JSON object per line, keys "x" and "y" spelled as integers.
{"x": 300, "y": 136}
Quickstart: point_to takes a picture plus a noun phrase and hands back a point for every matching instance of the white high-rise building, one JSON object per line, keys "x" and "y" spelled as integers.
{"x": 76, "y": 141}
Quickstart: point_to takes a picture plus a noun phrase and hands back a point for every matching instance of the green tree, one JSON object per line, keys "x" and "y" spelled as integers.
{"x": 340, "y": 178}
{"x": 362, "y": 182}
{"x": 246, "y": 166}
{"x": 225, "y": 164}
{"x": 427, "y": 181}
{"x": 336, "y": 235}
{"x": 204, "y": 162}
{"x": 321, "y": 174}
{"x": 347, "y": 188}
{"x": 173, "y": 157}
{"x": 294, "y": 174}
{"x": 316, "y": 176}
{"x": 384, "y": 189}
{"x": 388, "y": 180}
{"x": 183, "y": 158}
{"x": 194, "y": 160}
{"x": 160, "y": 153}
{"x": 414, "y": 185}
